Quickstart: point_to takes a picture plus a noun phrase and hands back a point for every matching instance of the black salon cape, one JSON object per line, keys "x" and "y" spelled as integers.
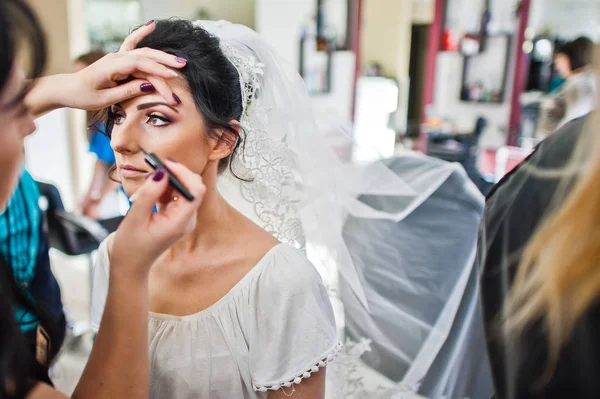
{"x": 514, "y": 210}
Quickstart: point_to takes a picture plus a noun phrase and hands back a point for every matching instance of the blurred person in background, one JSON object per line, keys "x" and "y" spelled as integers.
{"x": 24, "y": 245}
{"x": 539, "y": 259}
{"x": 578, "y": 95}
{"x": 99, "y": 144}
{"x": 118, "y": 365}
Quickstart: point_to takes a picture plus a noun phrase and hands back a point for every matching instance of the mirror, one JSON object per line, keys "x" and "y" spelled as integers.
{"x": 485, "y": 74}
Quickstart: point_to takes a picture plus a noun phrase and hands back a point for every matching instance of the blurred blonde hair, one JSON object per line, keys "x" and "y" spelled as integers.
{"x": 558, "y": 278}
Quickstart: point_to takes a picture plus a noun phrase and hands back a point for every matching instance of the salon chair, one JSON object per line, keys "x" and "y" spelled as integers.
{"x": 461, "y": 148}
{"x": 73, "y": 235}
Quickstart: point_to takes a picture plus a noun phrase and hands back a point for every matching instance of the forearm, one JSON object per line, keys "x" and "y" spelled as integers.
{"x": 47, "y": 94}
{"x": 95, "y": 192}
{"x": 118, "y": 364}
{"x": 310, "y": 388}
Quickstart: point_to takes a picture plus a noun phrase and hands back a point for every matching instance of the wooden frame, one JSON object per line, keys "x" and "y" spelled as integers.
{"x": 315, "y": 66}
{"x": 346, "y": 45}
{"x": 318, "y": 82}
{"x": 498, "y": 97}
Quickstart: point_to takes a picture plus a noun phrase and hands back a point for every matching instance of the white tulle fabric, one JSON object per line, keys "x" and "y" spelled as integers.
{"x": 300, "y": 190}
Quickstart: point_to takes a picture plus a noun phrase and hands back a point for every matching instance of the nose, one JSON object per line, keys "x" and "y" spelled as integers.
{"x": 125, "y": 139}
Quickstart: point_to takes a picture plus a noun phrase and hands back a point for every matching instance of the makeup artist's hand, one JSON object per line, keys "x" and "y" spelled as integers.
{"x": 143, "y": 235}
{"x": 145, "y": 70}
{"x": 116, "y": 77}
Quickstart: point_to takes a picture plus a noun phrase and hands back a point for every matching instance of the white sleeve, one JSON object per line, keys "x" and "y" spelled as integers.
{"x": 293, "y": 330}
{"x": 100, "y": 285}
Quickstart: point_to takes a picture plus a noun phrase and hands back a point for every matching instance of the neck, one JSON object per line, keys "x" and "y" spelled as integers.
{"x": 213, "y": 216}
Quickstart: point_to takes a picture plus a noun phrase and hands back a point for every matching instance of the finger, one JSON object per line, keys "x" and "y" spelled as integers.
{"x": 130, "y": 64}
{"x": 161, "y": 57}
{"x": 190, "y": 180}
{"x": 169, "y": 196}
{"x": 136, "y": 36}
{"x": 147, "y": 196}
{"x": 160, "y": 86}
{"x": 173, "y": 205}
{"x": 163, "y": 89}
{"x": 125, "y": 91}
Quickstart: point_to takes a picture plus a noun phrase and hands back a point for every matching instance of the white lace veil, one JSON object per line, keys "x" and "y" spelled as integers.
{"x": 300, "y": 190}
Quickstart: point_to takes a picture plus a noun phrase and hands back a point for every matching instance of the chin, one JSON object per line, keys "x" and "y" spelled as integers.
{"x": 130, "y": 187}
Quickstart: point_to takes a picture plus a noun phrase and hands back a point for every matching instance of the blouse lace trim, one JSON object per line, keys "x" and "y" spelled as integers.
{"x": 306, "y": 374}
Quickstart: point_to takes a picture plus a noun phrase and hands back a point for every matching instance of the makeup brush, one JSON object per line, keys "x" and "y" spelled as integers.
{"x": 154, "y": 161}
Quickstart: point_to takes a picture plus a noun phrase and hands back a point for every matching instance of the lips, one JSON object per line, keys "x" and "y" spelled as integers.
{"x": 131, "y": 172}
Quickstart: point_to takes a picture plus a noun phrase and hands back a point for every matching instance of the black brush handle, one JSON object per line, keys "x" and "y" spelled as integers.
{"x": 154, "y": 161}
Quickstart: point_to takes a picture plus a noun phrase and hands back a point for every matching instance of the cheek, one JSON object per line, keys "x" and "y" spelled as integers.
{"x": 189, "y": 149}
{"x": 131, "y": 187}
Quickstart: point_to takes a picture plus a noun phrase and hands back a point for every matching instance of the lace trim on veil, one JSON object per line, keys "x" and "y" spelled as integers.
{"x": 264, "y": 161}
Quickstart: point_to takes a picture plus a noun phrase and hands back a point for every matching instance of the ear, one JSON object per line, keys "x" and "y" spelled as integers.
{"x": 225, "y": 144}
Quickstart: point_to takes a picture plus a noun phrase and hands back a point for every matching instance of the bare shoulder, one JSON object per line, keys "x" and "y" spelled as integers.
{"x": 256, "y": 241}
{"x": 290, "y": 266}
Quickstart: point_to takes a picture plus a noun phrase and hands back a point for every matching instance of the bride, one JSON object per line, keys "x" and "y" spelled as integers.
{"x": 237, "y": 310}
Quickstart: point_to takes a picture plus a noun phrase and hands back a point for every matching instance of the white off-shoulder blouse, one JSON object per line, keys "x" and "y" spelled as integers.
{"x": 270, "y": 331}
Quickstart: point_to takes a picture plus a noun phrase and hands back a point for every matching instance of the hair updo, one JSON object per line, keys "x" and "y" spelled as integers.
{"x": 212, "y": 79}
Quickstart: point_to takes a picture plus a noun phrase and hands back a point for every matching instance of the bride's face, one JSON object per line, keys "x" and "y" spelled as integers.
{"x": 175, "y": 132}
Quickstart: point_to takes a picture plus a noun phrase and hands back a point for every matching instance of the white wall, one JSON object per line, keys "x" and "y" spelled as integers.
{"x": 110, "y": 21}
{"x": 423, "y": 11}
{"x": 447, "y": 102}
{"x": 47, "y": 154}
{"x": 568, "y": 18}
{"x": 56, "y": 152}
{"x": 237, "y": 11}
{"x": 386, "y": 35}
{"x": 283, "y": 33}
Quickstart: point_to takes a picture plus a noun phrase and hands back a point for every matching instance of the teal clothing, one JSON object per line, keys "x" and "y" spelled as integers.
{"x": 20, "y": 238}
{"x": 20, "y": 229}
{"x": 556, "y": 83}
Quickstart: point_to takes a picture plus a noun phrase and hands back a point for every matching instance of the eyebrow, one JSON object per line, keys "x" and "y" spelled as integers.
{"x": 150, "y": 105}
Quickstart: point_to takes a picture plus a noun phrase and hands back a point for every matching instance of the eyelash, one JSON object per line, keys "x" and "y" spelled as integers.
{"x": 160, "y": 118}
{"x": 114, "y": 115}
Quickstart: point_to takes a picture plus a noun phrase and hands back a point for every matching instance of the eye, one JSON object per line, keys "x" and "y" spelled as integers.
{"x": 158, "y": 120}
{"x": 116, "y": 115}
{"x": 119, "y": 119}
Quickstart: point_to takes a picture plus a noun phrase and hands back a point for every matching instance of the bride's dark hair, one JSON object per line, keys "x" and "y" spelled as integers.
{"x": 212, "y": 79}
